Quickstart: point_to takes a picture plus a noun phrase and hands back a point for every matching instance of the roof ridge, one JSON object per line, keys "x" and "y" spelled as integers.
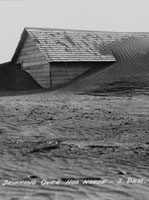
{"x": 79, "y": 30}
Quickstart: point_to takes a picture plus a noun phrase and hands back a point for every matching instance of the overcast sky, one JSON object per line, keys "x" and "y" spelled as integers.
{"x": 102, "y": 15}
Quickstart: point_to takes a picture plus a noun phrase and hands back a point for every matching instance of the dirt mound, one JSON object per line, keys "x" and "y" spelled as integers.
{"x": 12, "y": 78}
{"x": 130, "y": 71}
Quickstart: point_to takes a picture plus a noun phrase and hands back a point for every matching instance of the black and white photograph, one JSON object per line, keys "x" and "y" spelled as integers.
{"x": 74, "y": 100}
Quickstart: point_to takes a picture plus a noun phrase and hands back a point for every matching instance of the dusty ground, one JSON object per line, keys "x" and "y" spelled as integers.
{"x": 77, "y": 137}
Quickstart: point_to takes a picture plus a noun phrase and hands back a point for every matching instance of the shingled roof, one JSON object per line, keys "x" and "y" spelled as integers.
{"x": 63, "y": 45}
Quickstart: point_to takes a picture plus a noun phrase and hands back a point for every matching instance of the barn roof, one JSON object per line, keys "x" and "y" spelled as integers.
{"x": 63, "y": 45}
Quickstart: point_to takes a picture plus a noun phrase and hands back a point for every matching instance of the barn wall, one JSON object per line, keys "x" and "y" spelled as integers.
{"x": 63, "y": 73}
{"x": 34, "y": 63}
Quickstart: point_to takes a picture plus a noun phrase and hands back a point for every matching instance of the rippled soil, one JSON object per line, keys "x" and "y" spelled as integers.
{"x": 64, "y": 146}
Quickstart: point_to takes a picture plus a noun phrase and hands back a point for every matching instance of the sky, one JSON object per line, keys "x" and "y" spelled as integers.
{"x": 101, "y": 15}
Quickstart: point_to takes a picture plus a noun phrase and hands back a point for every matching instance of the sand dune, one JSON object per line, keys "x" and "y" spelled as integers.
{"x": 62, "y": 137}
{"x": 130, "y": 70}
{"x": 56, "y": 136}
{"x": 12, "y": 78}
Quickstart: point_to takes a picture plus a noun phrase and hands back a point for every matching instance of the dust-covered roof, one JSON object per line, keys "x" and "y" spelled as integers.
{"x": 63, "y": 45}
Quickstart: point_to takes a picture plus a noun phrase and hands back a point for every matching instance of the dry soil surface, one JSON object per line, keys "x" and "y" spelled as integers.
{"x": 64, "y": 146}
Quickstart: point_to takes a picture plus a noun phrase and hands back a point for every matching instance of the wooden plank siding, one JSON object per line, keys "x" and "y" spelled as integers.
{"x": 34, "y": 63}
{"x": 62, "y": 73}
{"x": 65, "y": 72}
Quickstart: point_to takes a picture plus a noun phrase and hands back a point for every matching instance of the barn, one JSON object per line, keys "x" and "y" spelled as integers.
{"x": 55, "y": 57}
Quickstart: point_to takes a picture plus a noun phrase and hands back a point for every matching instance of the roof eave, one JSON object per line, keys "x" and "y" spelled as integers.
{"x": 111, "y": 61}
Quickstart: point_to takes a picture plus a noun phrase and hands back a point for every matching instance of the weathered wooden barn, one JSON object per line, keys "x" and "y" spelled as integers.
{"x": 55, "y": 57}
